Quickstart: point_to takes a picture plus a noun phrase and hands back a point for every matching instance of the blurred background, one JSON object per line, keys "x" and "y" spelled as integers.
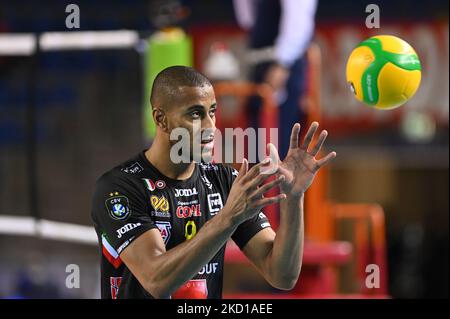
{"x": 68, "y": 114}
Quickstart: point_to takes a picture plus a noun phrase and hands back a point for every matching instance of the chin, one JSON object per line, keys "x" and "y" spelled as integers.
{"x": 207, "y": 156}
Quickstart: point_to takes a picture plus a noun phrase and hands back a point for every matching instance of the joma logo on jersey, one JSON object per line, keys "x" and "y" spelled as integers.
{"x": 188, "y": 211}
{"x": 159, "y": 203}
{"x": 185, "y": 192}
{"x": 121, "y": 231}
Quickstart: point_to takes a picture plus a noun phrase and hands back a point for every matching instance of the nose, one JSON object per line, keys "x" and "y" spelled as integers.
{"x": 209, "y": 122}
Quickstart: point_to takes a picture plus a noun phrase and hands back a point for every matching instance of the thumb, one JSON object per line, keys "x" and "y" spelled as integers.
{"x": 273, "y": 153}
{"x": 273, "y": 158}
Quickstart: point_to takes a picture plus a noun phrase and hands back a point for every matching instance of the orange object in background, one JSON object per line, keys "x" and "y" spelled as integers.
{"x": 268, "y": 119}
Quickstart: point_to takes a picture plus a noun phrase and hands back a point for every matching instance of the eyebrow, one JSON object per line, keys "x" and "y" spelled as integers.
{"x": 198, "y": 106}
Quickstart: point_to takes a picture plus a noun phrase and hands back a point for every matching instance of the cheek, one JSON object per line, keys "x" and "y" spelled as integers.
{"x": 177, "y": 122}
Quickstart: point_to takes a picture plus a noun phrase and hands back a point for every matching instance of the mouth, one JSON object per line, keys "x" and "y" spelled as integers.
{"x": 207, "y": 142}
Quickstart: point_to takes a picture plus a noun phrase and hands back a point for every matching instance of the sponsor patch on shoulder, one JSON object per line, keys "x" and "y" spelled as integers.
{"x": 133, "y": 168}
{"x": 118, "y": 206}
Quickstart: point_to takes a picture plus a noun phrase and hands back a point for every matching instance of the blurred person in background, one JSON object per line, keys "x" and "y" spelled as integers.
{"x": 279, "y": 34}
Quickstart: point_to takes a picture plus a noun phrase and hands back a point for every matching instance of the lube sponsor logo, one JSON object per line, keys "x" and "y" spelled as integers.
{"x": 209, "y": 268}
{"x": 189, "y": 211}
{"x": 123, "y": 230}
{"x": 185, "y": 192}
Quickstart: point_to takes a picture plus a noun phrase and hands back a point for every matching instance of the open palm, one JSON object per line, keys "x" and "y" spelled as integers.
{"x": 300, "y": 165}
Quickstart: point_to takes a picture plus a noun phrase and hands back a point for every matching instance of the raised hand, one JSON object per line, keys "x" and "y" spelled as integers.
{"x": 300, "y": 165}
{"x": 246, "y": 196}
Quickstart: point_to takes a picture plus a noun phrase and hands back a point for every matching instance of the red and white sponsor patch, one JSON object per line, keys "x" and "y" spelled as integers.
{"x": 188, "y": 211}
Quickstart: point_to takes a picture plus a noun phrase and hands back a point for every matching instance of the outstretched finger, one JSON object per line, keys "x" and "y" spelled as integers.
{"x": 270, "y": 200}
{"x": 322, "y": 137}
{"x": 254, "y": 171}
{"x": 260, "y": 171}
{"x": 294, "y": 136}
{"x": 259, "y": 179}
{"x": 323, "y": 161}
{"x": 243, "y": 170}
{"x": 309, "y": 135}
{"x": 266, "y": 187}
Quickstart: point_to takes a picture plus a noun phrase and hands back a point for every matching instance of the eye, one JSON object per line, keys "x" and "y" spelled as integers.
{"x": 212, "y": 112}
{"x": 195, "y": 114}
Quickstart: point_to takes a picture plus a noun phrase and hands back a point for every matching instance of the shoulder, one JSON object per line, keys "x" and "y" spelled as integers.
{"x": 126, "y": 175}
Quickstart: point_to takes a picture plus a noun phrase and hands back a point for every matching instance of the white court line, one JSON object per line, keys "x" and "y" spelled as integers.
{"x": 17, "y": 44}
{"x": 25, "y": 44}
{"x": 52, "y": 41}
{"x": 28, "y": 226}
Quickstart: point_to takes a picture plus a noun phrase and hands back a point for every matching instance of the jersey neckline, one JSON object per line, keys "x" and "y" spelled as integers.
{"x": 190, "y": 180}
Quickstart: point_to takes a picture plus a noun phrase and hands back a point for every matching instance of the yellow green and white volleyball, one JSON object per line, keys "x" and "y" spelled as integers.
{"x": 384, "y": 72}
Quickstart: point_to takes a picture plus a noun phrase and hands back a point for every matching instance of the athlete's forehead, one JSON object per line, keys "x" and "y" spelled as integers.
{"x": 192, "y": 97}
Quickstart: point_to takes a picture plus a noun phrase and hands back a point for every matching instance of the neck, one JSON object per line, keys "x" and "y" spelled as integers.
{"x": 159, "y": 155}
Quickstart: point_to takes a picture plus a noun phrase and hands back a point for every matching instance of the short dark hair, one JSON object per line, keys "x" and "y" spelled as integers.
{"x": 168, "y": 81}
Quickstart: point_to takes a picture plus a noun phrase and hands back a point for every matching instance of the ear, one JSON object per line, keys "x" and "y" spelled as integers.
{"x": 160, "y": 118}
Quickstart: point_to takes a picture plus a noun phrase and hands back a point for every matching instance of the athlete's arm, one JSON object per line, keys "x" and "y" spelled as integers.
{"x": 279, "y": 256}
{"x": 162, "y": 272}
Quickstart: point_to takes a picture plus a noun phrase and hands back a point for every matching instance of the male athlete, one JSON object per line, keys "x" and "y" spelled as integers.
{"x": 163, "y": 226}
